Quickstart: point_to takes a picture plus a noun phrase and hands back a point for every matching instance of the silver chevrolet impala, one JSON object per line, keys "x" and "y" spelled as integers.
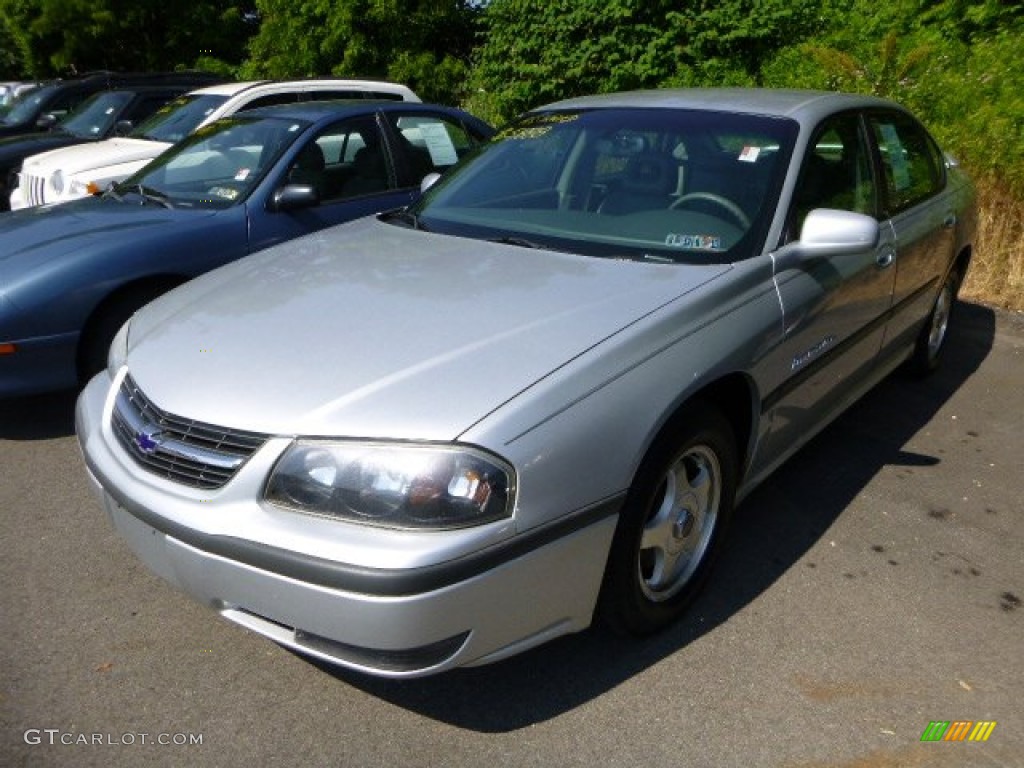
{"x": 445, "y": 434}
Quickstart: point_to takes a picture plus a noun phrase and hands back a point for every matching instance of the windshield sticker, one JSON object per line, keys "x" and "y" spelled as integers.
{"x": 749, "y": 154}
{"x": 225, "y": 193}
{"x": 439, "y": 144}
{"x": 694, "y": 242}
{"x": 242, "y": 174}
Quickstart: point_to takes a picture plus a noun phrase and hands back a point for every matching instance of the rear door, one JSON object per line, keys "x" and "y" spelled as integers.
{"x": 921, "y": 211}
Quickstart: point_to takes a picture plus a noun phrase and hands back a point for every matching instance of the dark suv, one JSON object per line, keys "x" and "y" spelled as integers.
{"x": 59, "y": 97}
{"x": 102, "y": 114}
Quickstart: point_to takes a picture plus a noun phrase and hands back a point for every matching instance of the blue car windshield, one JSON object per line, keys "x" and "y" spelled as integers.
{"x": 673, "y": 185}
{"x": 177, "y": 119}
{"x": 216, "y": 167}
{"x": 95, "y": 117}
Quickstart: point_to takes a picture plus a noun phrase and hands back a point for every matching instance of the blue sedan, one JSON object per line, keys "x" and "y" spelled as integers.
{"x": 71, "y": 274}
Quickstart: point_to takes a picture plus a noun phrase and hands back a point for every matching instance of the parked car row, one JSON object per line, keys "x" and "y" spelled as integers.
{"x": 67, "y": 173}
{"x": 502, "y": 401}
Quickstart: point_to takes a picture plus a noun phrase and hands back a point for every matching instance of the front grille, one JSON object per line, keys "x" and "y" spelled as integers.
{"x": 185, "y": 451}
{"x": 34, "y": 188}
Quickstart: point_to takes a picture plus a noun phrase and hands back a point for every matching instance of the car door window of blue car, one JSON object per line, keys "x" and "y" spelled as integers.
{"x": 346, "y": 160}
{"x": 431, "y": 143}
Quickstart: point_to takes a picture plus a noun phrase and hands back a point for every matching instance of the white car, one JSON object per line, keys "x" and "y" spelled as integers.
{"x": 73, "y": 172}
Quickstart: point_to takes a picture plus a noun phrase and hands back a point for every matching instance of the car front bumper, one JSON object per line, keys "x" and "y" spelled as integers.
{"x": 395, "y": 622}
{"x": 41, "y": 364}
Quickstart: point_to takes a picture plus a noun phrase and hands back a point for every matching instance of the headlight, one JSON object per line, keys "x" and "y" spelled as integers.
{"x": 57, "y": 182}
{"x": 118, "y": 352}
{"x": 78, "y": 188}
{"x": 393, "y": 484}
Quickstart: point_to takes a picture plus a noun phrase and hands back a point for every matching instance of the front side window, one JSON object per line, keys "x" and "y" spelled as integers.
{"x": 911, "y": 162}
{"x": 836, "y": 172}
{"x": 346, "y": 160}
{"x": 671, "y": 185}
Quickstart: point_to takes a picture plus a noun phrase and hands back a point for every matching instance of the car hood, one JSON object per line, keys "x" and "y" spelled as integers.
{"x": 86, "y": 157}
{"x": 373, "y": 330}
{"x": 15, "y": 148}
{"x": 34, "y": 238}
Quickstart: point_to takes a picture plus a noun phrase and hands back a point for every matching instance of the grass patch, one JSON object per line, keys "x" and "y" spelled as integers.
{"x": 996, "y": 276}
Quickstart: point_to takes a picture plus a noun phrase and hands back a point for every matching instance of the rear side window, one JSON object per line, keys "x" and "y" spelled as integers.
{"x": 431, "y": 143}
{"x": 911, "y": 163}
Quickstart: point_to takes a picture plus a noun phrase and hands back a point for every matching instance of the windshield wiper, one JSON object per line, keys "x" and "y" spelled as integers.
{"x": 403, "y": 215}
{"x": 111, "y": 191}
{"x": 148, "y": 193}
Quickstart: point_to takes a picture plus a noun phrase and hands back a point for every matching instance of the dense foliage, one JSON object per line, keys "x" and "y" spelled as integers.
{"x": 957, "y": 63}
{"x": 46, "y": 38}
{"x": 423, "y": 43}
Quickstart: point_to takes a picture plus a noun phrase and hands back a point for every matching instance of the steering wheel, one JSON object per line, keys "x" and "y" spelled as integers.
{"x": 710, "y": 197}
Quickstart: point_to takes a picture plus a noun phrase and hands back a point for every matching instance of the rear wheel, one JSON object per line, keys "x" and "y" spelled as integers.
{"x": 672, "y": 524}
{"x": 932, "y": 340}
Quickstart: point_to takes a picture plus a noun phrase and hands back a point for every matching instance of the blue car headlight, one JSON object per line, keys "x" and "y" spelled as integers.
{"x": 395, "y": 485}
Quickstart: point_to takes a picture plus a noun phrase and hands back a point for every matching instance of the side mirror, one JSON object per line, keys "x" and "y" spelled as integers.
{"x": 428, "y": 181}
{"x": 123, "y": 127}
{"x": 292, "y": 197}
{"x": 827, "y": 232}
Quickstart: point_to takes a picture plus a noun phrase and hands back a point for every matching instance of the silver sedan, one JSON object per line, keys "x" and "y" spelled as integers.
{"x": 445, "y": 434}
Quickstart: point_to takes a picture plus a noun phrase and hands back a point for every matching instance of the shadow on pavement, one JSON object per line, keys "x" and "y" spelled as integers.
{"x": 38, "y": 417}
{"x": 771, "y": 531}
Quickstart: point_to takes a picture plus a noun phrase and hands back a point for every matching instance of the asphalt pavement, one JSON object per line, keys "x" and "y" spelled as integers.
{"x": 872, "y": 587}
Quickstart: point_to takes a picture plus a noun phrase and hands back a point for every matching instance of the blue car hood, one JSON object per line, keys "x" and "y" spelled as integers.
{"x": 35, "y": 237}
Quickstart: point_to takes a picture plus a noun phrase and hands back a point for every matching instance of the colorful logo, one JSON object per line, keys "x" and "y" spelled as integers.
{"x": 958, "y": 730}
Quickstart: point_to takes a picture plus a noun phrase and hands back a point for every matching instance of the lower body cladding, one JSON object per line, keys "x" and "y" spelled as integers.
{"x": 523, "y": 602}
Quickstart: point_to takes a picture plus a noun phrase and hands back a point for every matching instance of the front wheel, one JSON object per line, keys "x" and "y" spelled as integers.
{"x": 672, "y": 524}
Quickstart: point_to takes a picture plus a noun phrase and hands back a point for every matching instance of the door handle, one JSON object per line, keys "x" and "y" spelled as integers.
{"x": 950, "y": 221}
{"x": 885, "y": 258}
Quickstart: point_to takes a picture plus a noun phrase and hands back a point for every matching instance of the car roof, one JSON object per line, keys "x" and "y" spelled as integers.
{"x": 311, "y": 84}
{"x": 313, "y": 111}
{"x": 799, "y": 104}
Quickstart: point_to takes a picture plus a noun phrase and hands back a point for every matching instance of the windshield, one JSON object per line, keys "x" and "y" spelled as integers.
{"x": 177, "y": 119}
{"x": 96, "y": 115}
{"x": 660, "y": 184}
{"x": 217, "y": 166}
{"x": 27, "y": 107}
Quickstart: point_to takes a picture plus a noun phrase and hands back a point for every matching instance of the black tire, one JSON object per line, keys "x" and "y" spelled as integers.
{"x": 931, "y": 342}
{"x": 673, "y": 523}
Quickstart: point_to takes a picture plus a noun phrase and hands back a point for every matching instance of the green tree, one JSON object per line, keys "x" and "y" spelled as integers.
{"x": 58, "y": 37}
{"x": 424, "y": 43}
{"x": 535, "y": 51}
